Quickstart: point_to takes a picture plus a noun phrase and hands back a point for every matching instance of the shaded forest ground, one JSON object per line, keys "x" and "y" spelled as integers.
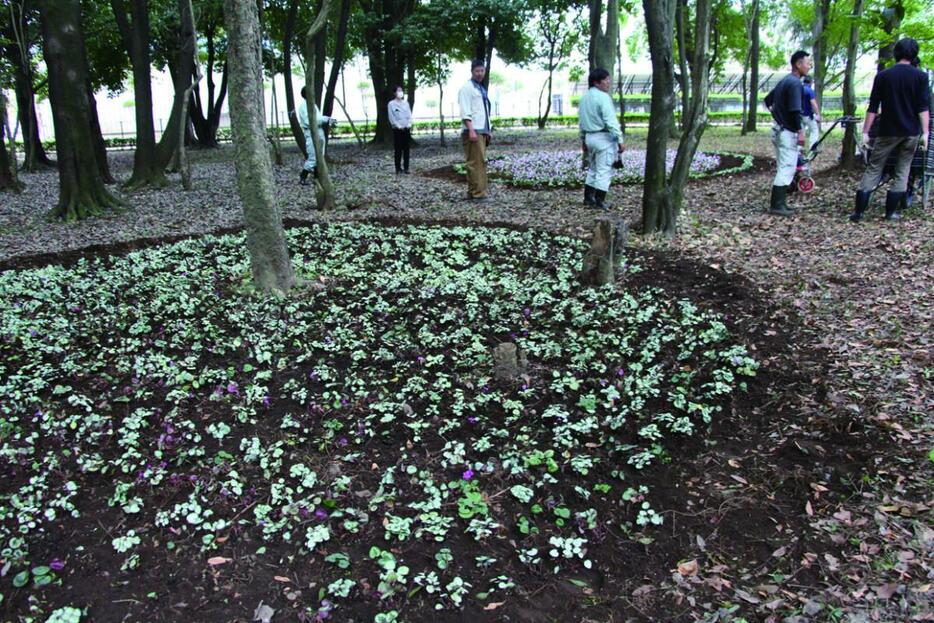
{"x": 847, "y": 440}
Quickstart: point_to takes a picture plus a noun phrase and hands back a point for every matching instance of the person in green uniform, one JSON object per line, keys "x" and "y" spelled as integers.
{"x": 601, "y": 137}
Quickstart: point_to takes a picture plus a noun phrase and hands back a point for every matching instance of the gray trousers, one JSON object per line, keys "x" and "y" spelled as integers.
{"x": 904, "y": 148}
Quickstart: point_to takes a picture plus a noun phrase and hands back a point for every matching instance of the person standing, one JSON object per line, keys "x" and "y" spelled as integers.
{"x": 903, "y": 93}
{"x": 400, "y": 118}
{"x": 601, "y": 137}
{"x": 785, "y": 103}
{"x": 811, "y": 112}
{"x": 311, "y": 161}
{"x": 476, "y": 134}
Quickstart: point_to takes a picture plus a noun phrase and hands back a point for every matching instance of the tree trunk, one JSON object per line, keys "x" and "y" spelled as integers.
{"x": 683, "y": 83}
{"x": 8, "y": 179}
{"x": 753, "y": 108}
{"x": 167, "y": 149}
{"x": 819, "y": 52}
{"x": 849, "y": 159}
{"x": 325, "y": 198}
{"x": 205, "y": 115}
{"x": 288, "y": 33}
{"x": 744, "y": 83}
{"x": 603, "y": 40}
{"x": 619, "y": 86}
{"x": 694, "y": 119}
{"x": 657, "y": 208}
{"x": 34, "y": 153}
{"x": 320, "y": 58}
{"x": 340, "y": 44}
{"x": 97, "y": 136}
{"x": 81, "y": 190}
{"x": 134, "y": 30}
{"x": 265, "y": 237}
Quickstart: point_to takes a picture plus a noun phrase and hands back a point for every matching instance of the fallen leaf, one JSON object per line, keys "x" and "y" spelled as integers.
{"x": 885, "y": 591}
{"x": 263, "y": 613}
{"x": 688, "y": 568}
{"x": 218, "y": 560}
{"x": 493, "y": 605}
{"x": 281, "y": 578}
{"x": 809, "y": 509}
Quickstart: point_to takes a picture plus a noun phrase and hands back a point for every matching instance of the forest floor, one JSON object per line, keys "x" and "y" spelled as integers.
{"x": 812, "y": 500}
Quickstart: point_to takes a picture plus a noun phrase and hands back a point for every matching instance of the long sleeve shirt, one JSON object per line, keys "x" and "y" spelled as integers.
{"x": 400, "y": 115}
{"x": 474, "y": 107}
{"x": 597, "y": 114}
{"x": 904, "y": 95}
{"x": 302, "y": 113}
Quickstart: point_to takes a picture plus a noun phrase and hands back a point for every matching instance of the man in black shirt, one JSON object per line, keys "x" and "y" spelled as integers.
{"x": 784, "y": 102}
{"x": 903, "y": 92}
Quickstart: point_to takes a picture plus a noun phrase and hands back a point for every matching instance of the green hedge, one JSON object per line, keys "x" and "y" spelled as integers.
{"x": 555, "y": 121}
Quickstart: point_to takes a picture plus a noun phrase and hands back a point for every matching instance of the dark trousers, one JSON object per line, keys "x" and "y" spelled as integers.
{"x": 400, "y": 145}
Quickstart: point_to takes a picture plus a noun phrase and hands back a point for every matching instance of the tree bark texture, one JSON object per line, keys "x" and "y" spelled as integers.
{"x": 35, "y": 156}
{"x": 602, "y": 48}
{"x": 694, "y": 118}
{"x": 81, "y": 190}
{"x": 683, "y": 74}
{"x": 325, "y": 198}
{"x": 892, "y": 17}
{"x": 265, "y": 237}
{"x": 657, "y": 209}
{"x": 753, "y": 107}
{"x": 849, "y": 159}
{"x": 386, "y": 57}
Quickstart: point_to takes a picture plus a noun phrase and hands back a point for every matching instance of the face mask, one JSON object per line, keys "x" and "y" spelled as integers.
{"x": 399, "y": 95}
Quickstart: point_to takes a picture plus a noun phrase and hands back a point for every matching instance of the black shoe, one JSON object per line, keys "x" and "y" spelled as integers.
{"x": 589, "y": 195}
{"x": 893, "y": 201}
{"x": 406, "y": 172}
{"x": 599, "y": 200}
{"x": 777, "y": 203}
{"x": 862, "y": 202}
{"x": 303, "y": 178}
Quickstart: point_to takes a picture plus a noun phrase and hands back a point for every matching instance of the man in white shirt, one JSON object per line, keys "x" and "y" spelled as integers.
{"x": 475, "y": 114}
{"x": 400, "y": 118}
{"x": 311, "y": 161}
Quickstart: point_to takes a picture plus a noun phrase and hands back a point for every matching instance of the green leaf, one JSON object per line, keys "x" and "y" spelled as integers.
{"x": 21, "y": 579}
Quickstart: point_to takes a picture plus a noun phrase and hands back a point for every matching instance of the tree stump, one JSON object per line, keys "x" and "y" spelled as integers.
{"x": 506, "y": 366}
{"x": 606, "y": 251}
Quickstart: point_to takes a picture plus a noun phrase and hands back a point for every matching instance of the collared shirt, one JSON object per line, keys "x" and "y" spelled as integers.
{"x": 597, "y": 114}
{"x": 400, "y": 115}
{"x": 474, "y": 107}
{"x": 785, "y": 102}
{"x": 302, "y": 113}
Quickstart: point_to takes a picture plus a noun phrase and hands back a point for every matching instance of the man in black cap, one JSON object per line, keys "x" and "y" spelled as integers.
{"x": 903, "y": 92}
{"x": 785, "y": 103}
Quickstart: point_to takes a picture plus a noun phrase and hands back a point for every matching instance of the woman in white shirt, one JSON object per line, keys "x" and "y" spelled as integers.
{"x": 400, "y": 118}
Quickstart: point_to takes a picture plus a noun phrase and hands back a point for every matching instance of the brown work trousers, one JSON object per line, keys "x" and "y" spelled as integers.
{"x": 904, "y": 148}
{"x": 475, "y": 153}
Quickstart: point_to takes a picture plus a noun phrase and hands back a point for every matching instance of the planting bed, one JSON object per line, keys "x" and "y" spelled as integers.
{"x": 557, "y": 169}
{"x": 174, "y": 447}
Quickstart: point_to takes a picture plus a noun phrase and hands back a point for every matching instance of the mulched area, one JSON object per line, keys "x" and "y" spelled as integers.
{"x": 813, "y": 501}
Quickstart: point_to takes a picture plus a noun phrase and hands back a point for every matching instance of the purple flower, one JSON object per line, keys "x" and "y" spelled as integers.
{"x": 321, "y": 514}
{"x": 57, "y": 565}
{"x": 621, "y": 372}
{"x": 472, "y": 419}
{"x": 266, "y": 401}
{"x": 467, "y": 475}
{"x": 232, "y": 388}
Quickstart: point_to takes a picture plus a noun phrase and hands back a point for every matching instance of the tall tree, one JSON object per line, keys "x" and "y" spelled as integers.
{"x": 205, "y": 113}
{"x": 849, "y": 159}
{"x": 8, "y": 178}
{"x": 81, "y": 189}
{"x": 602, "y": 48}
{"x": 337, "y": 63}
{"x": 175, "y": 46}
{"x": 657, "y": 209}
{"x": 269, "y": 254}
{"x": 892, "y": 16}
{"x": 819, "y": 41}
{"x": 133, "y": 23}
{"x": 325, "y": 198}
{"x": 20, "y": 43}
{"x": 557, "y": 30}
{"x": 694, "y": 117}
{"x": 749, "y": 124}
